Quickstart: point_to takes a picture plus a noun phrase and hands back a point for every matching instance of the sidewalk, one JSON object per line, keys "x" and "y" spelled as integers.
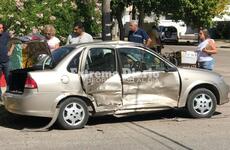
{"x": 219, "y": 43}
{"x": 223, "y": 43}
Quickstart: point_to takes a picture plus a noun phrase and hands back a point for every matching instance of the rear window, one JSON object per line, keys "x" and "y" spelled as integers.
{"x": 45, "y": 61}
{"x": 60, "y": 53}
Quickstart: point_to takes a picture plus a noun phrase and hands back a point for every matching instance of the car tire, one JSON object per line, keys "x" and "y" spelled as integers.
{"x": 201, "y": 103}
{"x": 73, "y": 114}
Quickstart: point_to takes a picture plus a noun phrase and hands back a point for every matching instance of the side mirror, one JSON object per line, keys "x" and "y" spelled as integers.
{"x": 170, "y": 69}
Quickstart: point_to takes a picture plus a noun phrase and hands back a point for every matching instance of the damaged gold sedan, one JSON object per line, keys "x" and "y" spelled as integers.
{"x": 110, "y": 78}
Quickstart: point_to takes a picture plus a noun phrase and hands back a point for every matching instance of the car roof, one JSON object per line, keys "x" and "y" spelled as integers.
{"x": 107, "y": 43}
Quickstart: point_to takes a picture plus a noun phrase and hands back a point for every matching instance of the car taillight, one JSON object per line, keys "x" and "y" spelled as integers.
{"x": 30, "y": 83}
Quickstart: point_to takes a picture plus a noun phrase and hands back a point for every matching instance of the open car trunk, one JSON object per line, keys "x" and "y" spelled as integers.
{"x": 17, "y": 80}
{"x": 34, "y": 54}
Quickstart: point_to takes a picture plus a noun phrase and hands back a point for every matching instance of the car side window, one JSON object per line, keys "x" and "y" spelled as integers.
{"x": 100, "y": 59}
{"x": 130, "y": 59}
{"x": 74, "y": 64}
{"x": 151, "y": 62}
{"x": 134, "y": 59}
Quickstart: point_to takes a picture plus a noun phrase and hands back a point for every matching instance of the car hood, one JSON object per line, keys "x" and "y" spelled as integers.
{"x": 201, "y": 75}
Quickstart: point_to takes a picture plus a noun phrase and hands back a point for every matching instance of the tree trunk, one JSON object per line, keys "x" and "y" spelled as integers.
{"x": 121, "y": 27}
{"x": 141, "y": 17}
{"x": 106, "y": 21}
{"x": 134, "y": 11}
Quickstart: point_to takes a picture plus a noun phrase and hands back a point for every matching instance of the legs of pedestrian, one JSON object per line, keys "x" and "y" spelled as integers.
{"x": 4, "y": 69}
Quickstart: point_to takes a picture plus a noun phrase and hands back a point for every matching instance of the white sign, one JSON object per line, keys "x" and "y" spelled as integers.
{"x": 188, "y": 57}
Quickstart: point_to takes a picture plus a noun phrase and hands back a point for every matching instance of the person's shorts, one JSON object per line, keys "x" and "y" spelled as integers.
{"x": 207, "y": 64}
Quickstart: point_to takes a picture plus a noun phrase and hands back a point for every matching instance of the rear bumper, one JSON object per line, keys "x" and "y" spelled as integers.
{"x": 29, "y": 104}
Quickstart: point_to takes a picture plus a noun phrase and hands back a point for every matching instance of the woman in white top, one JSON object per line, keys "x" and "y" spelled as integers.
{"x": 205, "y": 49}
{"x": 53, "y": 42}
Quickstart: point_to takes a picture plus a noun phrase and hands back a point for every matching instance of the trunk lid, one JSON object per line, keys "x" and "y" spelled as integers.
{"x": 35, "y": 52}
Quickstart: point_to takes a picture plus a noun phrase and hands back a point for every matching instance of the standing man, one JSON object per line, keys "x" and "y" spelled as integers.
{"x": 79, "y": 35}
{"x": 138, "y": 35}
{"x": 4, "y": 58}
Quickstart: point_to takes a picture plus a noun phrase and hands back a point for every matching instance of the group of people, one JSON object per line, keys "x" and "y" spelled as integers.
{"x": 205, "y": 49}
{"x": 11, "y": 56}
{"x": 151, "y": 38}
{"x": 76, "y": 37}
{"x": 11, "y": 48}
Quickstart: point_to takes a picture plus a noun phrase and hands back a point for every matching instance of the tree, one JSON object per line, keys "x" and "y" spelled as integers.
{"x": 146, "y": 7}
{"x": 118, "y": 8}
{"x": 106, "y": 21}
{"x": 143, "y": 7}
{"x": 21, "y": 16}
{"x": 88, "y": 12}
{"x": 197, "y": 13}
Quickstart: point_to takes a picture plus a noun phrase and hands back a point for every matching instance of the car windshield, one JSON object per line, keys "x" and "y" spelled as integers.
{"x": 170, "y": 29}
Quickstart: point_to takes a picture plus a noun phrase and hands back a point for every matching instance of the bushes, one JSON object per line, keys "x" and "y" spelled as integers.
{"x": 21, "y": 16}
{"x": 221, "y": 30}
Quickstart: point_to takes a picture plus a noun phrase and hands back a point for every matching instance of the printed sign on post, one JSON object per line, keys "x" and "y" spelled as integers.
{"x": 188, "y": 57}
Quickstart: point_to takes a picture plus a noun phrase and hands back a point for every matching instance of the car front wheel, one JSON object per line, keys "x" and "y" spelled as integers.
{"x": 73, "y": 114}
{"x": 201, "y": 103}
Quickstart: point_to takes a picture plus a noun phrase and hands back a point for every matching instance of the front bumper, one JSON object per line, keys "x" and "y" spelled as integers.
{"x": 225, "y": 93}
{"x": 228, "y": 99}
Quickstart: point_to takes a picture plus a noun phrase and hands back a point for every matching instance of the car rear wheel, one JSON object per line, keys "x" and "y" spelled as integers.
{"x": 201, "y": 103}
{"x": 73, "y": 114}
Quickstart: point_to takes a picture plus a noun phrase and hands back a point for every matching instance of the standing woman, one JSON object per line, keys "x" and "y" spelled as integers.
{"x": 156, "y": 44}
{"x": 53, "y": 42}
{"x": 4, "y": 59}
{"x": 15, "y": 55}
{"x": 205, "y": 49}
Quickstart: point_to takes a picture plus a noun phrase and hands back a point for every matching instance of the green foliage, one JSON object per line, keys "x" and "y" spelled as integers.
{"x": 197, "y": 13}
{"x": 21, "y": 16}
{"x": 90, "y": 14}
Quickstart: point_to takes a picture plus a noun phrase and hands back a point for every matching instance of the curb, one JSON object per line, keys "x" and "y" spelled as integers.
{"x": 224, "y": 47}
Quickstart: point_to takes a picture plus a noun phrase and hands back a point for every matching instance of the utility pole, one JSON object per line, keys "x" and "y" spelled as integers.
{"x": 106, "y": 21}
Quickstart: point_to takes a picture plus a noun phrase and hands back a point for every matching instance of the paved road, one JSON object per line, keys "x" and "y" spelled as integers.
{"x": 160, "y": 130}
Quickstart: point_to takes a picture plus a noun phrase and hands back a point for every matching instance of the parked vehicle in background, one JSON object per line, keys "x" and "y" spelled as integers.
{"x": 109, "y": 78}
{"x": 168, "y": 34}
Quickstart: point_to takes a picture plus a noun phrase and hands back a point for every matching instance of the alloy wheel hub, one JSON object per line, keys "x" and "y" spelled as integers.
{"x": 73, "y": 114}
{"x": 202, "y": 104}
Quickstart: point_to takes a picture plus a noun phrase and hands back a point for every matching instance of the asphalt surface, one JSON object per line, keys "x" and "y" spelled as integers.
{"x": 171, "y": 129}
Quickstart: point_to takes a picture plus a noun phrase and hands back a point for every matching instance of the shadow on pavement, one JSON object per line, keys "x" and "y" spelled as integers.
{"x": 172, "y": 114}
{"x": 12, "y": 121}
{"x": 18, "y": 122}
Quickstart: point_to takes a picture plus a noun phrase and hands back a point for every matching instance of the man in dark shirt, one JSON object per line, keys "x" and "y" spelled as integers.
{"x": 138, "y": 35}
{"x": 4, "y": 58}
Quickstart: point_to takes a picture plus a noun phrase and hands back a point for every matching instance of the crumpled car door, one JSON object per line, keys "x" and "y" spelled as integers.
{"x": 100, "y": 78}
{"x": 145, "y": 81}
